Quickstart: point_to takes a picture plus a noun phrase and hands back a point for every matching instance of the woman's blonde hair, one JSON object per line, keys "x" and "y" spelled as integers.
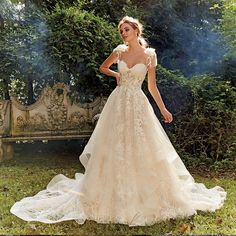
{"x": 135, "y": 24}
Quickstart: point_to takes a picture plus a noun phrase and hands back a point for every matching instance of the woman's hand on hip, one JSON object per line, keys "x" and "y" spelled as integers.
{"x": 117, "y": 76}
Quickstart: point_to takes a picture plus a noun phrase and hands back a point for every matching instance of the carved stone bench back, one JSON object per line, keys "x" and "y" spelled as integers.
{"x": 5, "y": 118}
{"x": 52, "y": 114}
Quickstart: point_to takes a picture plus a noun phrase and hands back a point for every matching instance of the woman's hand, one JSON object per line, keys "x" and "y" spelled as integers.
{"x": 167, "y": 115}
{"x": 117, "y": 76}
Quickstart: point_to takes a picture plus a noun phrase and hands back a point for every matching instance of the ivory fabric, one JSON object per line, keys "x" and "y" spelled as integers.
{"x": 133, "y": 175}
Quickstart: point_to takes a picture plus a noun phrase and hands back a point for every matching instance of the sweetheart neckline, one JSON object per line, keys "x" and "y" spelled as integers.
{"x": 133, "y": 65}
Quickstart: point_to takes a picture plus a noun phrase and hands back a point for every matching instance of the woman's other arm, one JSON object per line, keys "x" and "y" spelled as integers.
{"x": 152, "y": 87}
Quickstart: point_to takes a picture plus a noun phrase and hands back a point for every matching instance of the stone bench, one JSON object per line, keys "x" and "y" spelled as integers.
{"x": 52, "y": 117}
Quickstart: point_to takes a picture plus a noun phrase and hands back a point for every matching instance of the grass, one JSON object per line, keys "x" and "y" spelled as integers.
{"x": 34, "y": 165}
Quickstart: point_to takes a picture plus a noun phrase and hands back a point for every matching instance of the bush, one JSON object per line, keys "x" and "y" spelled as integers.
{"x": 204, "y": 111}
{"x": 80, "y": 42}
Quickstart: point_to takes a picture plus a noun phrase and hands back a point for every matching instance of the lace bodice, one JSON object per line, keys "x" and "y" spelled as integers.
{"x": 134, "y": 76}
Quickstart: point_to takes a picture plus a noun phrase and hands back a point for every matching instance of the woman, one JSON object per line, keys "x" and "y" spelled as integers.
{"x": 133, "y": 174}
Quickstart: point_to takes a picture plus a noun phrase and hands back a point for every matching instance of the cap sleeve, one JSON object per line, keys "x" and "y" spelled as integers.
{"x": 152, "y": 57}
{"x": 119, "y": 49}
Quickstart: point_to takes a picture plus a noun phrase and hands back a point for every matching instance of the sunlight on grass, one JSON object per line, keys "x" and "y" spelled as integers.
{"x": 27, "y": 174}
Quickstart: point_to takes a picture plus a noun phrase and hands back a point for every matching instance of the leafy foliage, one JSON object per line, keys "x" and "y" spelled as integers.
{"x": 228, "y": 22}
{"x": 214, "y": 124}
{"x": 205, "y": 115}
{"x": 26, "y": 66}
{"x": 66, "y": 45}
{"x": 227, "y": 27}
{"x": 80, "y": 41}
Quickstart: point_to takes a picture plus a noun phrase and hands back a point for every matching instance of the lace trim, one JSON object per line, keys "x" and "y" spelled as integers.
{"x": 119, "y": 49}
{"x": 151, "y": 53}
{"x": 152, "y": 58}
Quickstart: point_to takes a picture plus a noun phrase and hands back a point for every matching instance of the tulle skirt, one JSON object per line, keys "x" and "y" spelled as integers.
{"x": 133, "y": 175}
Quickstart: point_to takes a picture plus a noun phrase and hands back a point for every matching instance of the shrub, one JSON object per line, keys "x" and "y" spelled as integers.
{"x": 80, "y": 41}
{"x": 204, "y": 110}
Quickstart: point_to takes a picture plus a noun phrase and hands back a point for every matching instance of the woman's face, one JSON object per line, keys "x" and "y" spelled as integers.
{"x": 127, "y": 32}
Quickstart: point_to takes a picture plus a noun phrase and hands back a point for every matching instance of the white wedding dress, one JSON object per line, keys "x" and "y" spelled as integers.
{"x": 133, "y": 174}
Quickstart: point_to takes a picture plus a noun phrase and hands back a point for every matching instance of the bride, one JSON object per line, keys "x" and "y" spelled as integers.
{"x": 133, "y": 175}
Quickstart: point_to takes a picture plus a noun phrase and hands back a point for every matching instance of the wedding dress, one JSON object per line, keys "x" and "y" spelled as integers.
{"x": 133, "y": 174}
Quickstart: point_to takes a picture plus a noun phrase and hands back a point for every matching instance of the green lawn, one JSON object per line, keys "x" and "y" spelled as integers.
{"x": 34, "y": 165}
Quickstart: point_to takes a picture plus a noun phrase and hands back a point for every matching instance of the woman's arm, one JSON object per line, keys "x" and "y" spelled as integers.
{"x": 104, "y": 68}
{"x": 152, "y": 87}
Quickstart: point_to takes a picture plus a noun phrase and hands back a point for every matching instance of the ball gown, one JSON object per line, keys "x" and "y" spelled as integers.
{"x": 133, "y": 174}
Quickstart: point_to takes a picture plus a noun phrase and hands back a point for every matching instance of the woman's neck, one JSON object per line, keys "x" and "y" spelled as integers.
{"x": 134, "y": 45}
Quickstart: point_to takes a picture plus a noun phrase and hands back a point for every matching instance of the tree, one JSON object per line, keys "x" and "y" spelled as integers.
{"x": 67, "y": 44}
{"x": 227, "y": 27}
{"x": 26, "y": 66}
{"x": 80, "y": 41}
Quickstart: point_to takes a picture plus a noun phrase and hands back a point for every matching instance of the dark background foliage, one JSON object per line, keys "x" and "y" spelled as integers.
{"x": 44, "y": 41}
